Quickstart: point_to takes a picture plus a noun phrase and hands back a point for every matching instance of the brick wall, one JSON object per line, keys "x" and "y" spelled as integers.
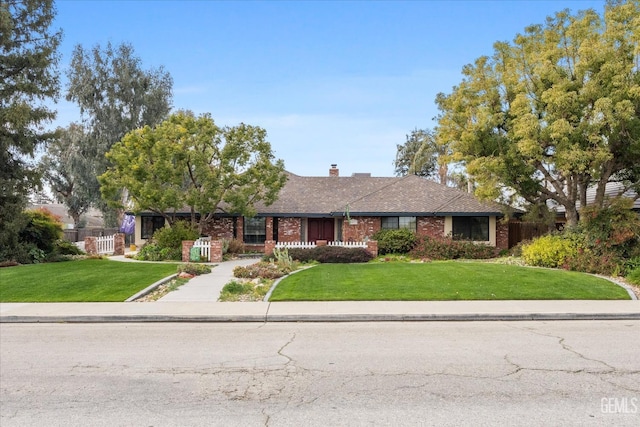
{"x": 502, "y": 235}
{"x": 432, "y": 226}
{"x": 289, "y": 230}
{"x": 365, "y": 227}
{"x": 219, "y": 228}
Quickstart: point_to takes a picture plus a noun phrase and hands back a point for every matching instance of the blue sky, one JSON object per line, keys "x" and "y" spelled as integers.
{"x": 331, "y": 82}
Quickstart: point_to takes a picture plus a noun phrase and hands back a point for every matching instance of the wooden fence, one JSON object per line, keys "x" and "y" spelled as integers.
{"x": 78, "y": 234}
{"x": 519, "y": 231}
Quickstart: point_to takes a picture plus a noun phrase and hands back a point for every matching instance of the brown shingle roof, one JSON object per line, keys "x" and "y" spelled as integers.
{"x": 409, "y": 195}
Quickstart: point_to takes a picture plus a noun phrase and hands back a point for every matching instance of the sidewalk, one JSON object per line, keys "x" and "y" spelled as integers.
{"x": 346, "y": 311}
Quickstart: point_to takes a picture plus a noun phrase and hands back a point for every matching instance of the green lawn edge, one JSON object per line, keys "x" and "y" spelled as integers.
{"x": 442, "y": 281}
{"x": 89, "y": 280}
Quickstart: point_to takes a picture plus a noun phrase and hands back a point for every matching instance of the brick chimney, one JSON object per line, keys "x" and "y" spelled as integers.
{"x": 334, "y": 171}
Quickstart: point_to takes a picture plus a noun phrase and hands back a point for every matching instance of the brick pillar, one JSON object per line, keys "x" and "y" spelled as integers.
{"x": 240, "y": 229}
{"x": 269, "y": 246}
{"x": 321, "y": 243}
{"x": 118, "y": 244}
{"x": 186, "y": 250}
{"x": 268, "y": 225}
{"x": 91, "y": 245}
{"x": 215, "y": 251}
{"x": 372, "y": 247}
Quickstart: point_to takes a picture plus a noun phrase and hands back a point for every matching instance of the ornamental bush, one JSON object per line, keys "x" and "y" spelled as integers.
{"x": 42, "y": 231}
{"x": 634, "y": 276}
{"x": 195, "y": 269}
{"x": 331, "y": 254}
{"x": 172, "y": 237}
{"x": 443, "y": 248}
{"x": 549, "y": 251}
{"x": 399, "y": 241}
{"x": 262, "y": 269}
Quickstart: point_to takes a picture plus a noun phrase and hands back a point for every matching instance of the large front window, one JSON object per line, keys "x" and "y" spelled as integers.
{"x": 149, "y": 225}
{"x": 396, "y": 222}
{"x": 255, "y": 230}
{"x": 474, "y": 228}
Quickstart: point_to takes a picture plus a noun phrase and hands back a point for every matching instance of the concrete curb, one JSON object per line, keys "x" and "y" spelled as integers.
{"x": 319, "y": 318}
{"x": 151, "y": 288}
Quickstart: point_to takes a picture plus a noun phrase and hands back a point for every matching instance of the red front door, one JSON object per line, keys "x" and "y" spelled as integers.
{"x": 320, "y": 229}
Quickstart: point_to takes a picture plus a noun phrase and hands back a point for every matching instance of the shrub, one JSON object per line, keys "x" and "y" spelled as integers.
{"x": 235, "y": 246}
{"x": 634, "y": 276}
{"x": 195, "y": 269}
{"x": 149, "y": 252}
{"x": 8, "y": 263}
{"x": 282, "y": 258}
{"x": 172, "y": 237}
{"x": 442, "y": 248}
{"x": 612, "y": 228}
{"x": 237, "y": 291}
{"x": 331, "y": 254}
{"x": 549, "y": 251}
{"x": 399, "y": 241}
{"x": 62, "y": 247}
{"x": 236, "y": 288}
{"x": 587, "y": 261}
{"x": 40, "y": 235}
{"x": 262, "y": 269}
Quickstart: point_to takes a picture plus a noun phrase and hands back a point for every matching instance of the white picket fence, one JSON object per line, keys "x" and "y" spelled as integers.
{"x": 310, "y": 245}
{"x": 105, "y": 244}
{"x": 204, "y": 243}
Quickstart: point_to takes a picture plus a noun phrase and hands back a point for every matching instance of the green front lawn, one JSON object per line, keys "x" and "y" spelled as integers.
{"x": 74, "y": 281}
{"x": 445, "y": 280}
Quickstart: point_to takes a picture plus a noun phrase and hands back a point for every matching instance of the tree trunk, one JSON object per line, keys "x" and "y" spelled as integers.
{"x": 571, "y": 214}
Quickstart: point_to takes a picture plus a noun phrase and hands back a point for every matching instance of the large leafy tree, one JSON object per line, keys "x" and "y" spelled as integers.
{"x": 115, "y": 95}
{"x": 28, "y": 79}
{"x": 189, "y": 161}
{"x": 68, "y": 169}
{"x": 553, "y": 112}
{"x": 418, "y": 155}
{"x": 423, "y": 155}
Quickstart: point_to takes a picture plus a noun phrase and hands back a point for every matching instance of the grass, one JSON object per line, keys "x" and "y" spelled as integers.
{"x": 446, "y": 280}
{"x": 95, "y": 280}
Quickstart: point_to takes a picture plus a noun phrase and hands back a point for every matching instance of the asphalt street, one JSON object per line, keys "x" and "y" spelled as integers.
{"x": 321, "y": 374}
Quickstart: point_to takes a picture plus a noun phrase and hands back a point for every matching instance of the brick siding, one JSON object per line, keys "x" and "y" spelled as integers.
{"x": 366, "y": 227}
{"x": 219, "y": 228}
{"x": 289, "y": 230}
{"x": 432, "y": 226}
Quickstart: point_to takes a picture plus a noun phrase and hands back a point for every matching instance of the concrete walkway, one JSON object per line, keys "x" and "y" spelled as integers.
{"x": 207, "y": 287}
